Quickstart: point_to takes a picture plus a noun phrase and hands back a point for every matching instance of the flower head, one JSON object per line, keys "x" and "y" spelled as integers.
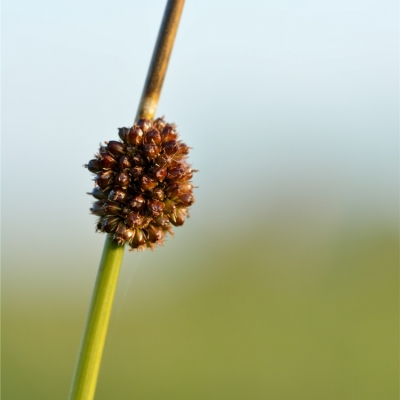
{"x": 142, "y": 184}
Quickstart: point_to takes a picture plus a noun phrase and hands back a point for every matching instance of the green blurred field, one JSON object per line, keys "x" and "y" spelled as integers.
{"x": 281, "y": 310}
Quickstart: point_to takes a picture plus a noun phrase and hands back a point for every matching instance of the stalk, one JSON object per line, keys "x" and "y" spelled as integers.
{"x": 91, "y": 349}
{"x": 159, "y": 61}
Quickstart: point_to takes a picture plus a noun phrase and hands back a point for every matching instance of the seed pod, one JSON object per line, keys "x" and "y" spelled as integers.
{"x": 144, "y": 124}
{"x": 104, "y": 179}
{"x": 110, "y": 224}
{"x": 157, "y": 194}
{"x": 185, "y": 188}
{"x": 162, "y": 222}
{"x": 182, "y": 149}
{"x": 111, "y": 208}
{"x": 159, "y": 173}
{"x": 170, "y": 206}
{"x": 147, "y": 183}
{"x": 138, "y": 203}
{"x": 134, "y": 220}
{"x": 159, "y": 124}
{"x": 119, "y": 232}
{"x": 178, "y": 218}
{"x": 169, "y": 133}
{"x": 135, "y": 136}
{"x": 151, "y": 151}
{"x": 136, "y": 172}
{"x": 163, "y": 160}
{"x": 155, "y": 207}
{"x": 107, "y": 161}
{"x": 186, "y": 199}
{"x": 97, "y": 208}
{"x": 189, "y": 174}
{"x": 115, "y": 148}
{"x": 139, "y": 160}
{"x": 170, "y": 147}
{"x": 93, "y": 166}
{"x": 122, "y": 133}
{"x": 122, "y": 180}
{"x": 173, "y": 190}
{"x": 124, "y": 162}
{"x": 153, "y": 136}
{"x": 176, "y": 173}
{"x": 97, "y": 193}
{"x": 99, "y": 225}
{"x": 117, "y": 194}
{"x": 121, "y": 228}
{"x": 128, "y": 235}
{"x": 138, "y": 240}
{"x": 181, "y": 214}
{"x": 134, "y": 187}
{"x": 154, "y": 233}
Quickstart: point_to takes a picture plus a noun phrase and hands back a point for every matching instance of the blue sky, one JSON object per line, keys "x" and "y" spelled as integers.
{"x": 288, "y": 102}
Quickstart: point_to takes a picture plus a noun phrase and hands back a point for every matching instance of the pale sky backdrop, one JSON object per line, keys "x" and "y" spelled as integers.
{"x": 287, "y": 104}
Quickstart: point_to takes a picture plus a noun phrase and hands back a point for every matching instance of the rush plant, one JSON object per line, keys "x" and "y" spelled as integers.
{"x": 142, "y": 186}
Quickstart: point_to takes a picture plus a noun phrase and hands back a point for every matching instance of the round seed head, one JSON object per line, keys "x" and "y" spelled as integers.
{"x": 142, "y": 184}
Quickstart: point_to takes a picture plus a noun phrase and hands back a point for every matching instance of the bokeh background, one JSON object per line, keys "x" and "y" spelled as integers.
{"x": 283, "y": 284}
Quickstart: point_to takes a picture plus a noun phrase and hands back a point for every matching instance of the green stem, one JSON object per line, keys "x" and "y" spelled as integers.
{"x": 89, "y": 358}
{"x": 94, "y": 336}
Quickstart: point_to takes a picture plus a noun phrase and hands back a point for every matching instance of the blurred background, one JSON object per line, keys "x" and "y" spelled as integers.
{"x": 283, "y": 284}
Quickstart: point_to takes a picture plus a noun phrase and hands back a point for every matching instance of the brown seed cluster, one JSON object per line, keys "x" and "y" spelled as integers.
{"x": 142, "y": 184}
